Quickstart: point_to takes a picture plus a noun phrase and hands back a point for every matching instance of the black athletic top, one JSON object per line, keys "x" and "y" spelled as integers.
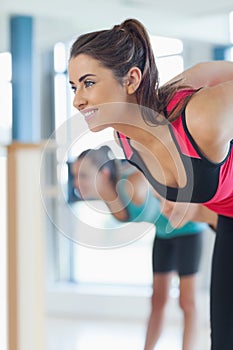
{"x": 207, "y": 182}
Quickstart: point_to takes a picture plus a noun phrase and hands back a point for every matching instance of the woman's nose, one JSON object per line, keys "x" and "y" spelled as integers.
{"x": 79, "y": 102}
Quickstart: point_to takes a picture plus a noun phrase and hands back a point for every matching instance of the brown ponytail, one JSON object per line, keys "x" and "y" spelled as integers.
{"x": 125, "y": 46}
{"x": 103, "y": 158}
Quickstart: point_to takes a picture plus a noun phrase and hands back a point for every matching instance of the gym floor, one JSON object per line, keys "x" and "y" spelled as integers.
{"x": 90, "y": 333}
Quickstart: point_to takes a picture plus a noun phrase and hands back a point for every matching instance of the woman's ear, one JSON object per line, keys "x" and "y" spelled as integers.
{"x": 133, "y": 80}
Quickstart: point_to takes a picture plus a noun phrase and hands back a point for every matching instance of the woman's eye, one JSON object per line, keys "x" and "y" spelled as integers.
{"x": 74, "y": 89}
{"x": 88, "y": 83}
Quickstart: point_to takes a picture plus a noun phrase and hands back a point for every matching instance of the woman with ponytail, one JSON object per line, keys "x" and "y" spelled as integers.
{"x": 179, "y": 135}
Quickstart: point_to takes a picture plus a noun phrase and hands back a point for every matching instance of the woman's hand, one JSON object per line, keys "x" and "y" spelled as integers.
{"x": 180, "y": 213}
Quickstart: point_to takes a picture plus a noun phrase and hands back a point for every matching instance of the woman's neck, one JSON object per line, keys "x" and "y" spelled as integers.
{"x": 144, "y": 136}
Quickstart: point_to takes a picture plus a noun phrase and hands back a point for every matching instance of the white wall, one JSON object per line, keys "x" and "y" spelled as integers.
{"x": 49, "y": 29}
{"x": 53, "y": 23}
{"x": 4, "y": 34}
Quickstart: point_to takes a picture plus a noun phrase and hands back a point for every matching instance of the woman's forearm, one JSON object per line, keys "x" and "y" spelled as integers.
{"x": 206, "y": 74}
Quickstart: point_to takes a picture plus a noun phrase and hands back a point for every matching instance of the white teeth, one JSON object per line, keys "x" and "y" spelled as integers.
{"x": 87, "y": 114}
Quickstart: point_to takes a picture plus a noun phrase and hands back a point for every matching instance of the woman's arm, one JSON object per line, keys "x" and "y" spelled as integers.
{"x": 209, "y": 118}
{"x": 206, "y": 74}
{"x": 180, "y": 213}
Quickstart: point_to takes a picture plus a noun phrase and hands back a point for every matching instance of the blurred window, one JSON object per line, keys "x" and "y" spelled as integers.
{"x": 5, "y": 98}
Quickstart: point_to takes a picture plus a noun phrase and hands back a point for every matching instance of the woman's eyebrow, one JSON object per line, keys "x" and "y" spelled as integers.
{"x": 82, "y": 78}
{"x": 85, "y": 76}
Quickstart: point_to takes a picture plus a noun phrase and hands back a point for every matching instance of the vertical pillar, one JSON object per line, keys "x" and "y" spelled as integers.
{"x": 26, "y": 248}
{"x": 24, "y": 90}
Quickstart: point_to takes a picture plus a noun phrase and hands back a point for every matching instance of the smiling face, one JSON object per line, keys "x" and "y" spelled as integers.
{"x": 103, "y": 99}
{"x": 96, "y": 91}
{"x": 85, "y": 178}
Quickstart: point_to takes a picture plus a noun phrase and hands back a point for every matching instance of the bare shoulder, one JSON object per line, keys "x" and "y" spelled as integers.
{"x": 209, "y": 120}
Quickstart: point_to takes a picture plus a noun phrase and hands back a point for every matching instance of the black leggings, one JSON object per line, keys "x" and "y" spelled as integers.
{"x": 221, "y": 306}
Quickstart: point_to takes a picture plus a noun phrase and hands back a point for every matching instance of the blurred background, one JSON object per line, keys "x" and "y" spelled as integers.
{"x": 57, "y": 294}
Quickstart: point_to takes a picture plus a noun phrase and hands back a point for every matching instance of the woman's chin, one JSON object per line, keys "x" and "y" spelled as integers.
{"x": 97, "y": 128}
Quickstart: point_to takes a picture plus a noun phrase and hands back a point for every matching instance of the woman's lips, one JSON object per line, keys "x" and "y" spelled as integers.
{"x": 89, "y": 113}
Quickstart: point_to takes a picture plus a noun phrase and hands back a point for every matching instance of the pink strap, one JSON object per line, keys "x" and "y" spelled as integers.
{"x": 126, "y": 146}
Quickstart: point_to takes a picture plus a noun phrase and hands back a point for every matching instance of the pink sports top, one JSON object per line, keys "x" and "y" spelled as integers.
{"x": 207, "y": 182}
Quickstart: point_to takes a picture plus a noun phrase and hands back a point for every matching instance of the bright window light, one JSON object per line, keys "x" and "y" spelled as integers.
{"x": 5, "y": 66}
{"x": 166, "y": 46}
{"x": 231, "y": 54}
{"x": 130, "y": 265}
{"x": 60, "y": 90}
{"x": 169, "y": 67}
{"x": 60, "y": 59}
{"x": 231, "y": 27}
{"x": 5, "y": 104}
{"x": 5, "y": 97}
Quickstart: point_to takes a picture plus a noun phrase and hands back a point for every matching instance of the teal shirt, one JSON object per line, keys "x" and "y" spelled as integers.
{"x": 149, "y": 211}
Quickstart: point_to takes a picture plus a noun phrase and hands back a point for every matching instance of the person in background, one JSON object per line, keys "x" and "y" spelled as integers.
{"x": 179, "y": 134}
{"x": 96, "y": 175}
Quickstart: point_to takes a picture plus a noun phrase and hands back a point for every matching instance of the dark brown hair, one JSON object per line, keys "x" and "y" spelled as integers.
{"x": 103, "y": 158}
{"x": 125, "y": 46}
